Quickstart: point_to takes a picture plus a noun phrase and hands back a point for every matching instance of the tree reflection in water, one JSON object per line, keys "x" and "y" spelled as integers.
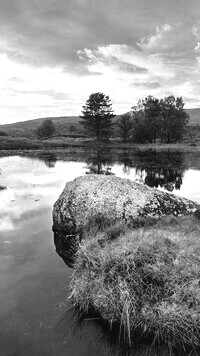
{"x": 49, "y": 159}
{"x": 167, "y": 178}
{"x": 156, "y": 169}
{"x": 99, "y": 161}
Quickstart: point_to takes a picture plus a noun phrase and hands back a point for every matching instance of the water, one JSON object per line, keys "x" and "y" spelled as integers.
{"x": 34, "y": 315}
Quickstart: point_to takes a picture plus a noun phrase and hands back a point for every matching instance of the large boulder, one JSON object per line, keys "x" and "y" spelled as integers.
{"x": 110, "y": 199}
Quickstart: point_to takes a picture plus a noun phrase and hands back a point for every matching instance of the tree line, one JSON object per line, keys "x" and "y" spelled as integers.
{"x": 150, "y": 120}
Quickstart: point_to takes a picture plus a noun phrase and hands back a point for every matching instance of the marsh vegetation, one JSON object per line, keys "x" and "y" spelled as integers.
{"x": 145, "y": 280}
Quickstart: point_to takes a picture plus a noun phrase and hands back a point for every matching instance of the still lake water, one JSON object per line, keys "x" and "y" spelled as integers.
{"x": 34, "y": 315}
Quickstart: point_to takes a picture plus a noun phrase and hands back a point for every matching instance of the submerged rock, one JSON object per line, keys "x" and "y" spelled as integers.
{"x": 110, "y": 199}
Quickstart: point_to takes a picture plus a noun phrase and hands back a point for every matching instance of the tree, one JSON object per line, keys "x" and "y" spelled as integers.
{"x": 97, "y": 116}
{"x": 147, "y": 115}
{"x": 46, "y": 129}
{"x": 165, "y": 119}
{"x": 125, "y": 125}
{"x": 152, "y": 112}
{"x": 174, "y": 118}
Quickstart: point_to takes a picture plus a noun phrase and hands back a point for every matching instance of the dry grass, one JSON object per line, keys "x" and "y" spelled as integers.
{"x": 147, "y": 280}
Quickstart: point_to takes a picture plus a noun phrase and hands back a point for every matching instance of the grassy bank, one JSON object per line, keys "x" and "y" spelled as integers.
{"x": 146, "y": 280}
{"x": 14, "y": 144}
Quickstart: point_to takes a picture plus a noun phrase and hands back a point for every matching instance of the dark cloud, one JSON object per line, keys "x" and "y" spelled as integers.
{"x": 50, "y": 32}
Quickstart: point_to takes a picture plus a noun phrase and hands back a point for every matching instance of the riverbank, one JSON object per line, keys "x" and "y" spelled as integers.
{"x": 12, "y": 145}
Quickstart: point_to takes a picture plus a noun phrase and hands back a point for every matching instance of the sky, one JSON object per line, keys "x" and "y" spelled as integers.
{"x": 55, "y": 53}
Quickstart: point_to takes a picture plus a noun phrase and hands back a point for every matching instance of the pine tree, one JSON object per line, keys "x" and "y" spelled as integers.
{"x": 97, "y": 116}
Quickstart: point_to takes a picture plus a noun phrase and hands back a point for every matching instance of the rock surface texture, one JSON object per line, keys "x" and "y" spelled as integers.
{"x": 111, "y": 198}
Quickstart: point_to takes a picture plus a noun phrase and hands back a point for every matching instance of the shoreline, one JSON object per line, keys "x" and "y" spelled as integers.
{"x": 52, "y": 147}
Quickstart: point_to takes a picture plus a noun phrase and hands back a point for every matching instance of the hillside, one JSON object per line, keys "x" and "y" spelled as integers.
{"x": 66, "y": 125}
{"x": 194, "y": 116}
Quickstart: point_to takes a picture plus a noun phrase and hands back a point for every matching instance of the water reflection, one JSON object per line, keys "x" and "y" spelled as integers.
{"x": 164, "y": 169}
{"x": 49, "y": 159}
{"x": 99, "y": 161}
{"x": 167, "y": 178}
{"x": 154, "y": 169}
{"x": 112, "y": 341}
{"x": 66, "y": 247}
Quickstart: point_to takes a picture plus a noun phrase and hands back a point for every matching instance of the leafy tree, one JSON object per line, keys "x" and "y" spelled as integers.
{"x": 125, "y": 125}
{"x": 140, "y": 130}
{"x": 165, "y": 119}
{"x": 147, "y": 119}
{"x": 46, "y": 129}
{"x": 97, "y": 116}
{"x": 174, "y": 118}
{"x": 152, "y": 112}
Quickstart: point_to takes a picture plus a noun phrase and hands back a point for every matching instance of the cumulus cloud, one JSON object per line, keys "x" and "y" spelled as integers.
{"x": 158, "y": 39}
{"x": 121, "y": 60}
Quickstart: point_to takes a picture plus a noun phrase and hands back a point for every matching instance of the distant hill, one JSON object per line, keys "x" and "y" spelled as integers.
{"x": 194, "y": 116}
{"x": 66, "y": 125}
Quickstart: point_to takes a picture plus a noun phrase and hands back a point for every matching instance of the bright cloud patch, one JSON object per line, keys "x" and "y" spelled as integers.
{"x": 156, "y": 40}
{"x": 123, "y": 61}
{"x": 160, "y": 64}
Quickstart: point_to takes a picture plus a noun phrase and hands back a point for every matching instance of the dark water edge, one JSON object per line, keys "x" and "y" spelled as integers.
{"x": 35, "y": 316}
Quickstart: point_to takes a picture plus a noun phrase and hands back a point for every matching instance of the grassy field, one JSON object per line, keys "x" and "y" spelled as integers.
{"x": 12, "y": 145}
{"x": 20, "y": 143}
{"x": 145, "y": 280}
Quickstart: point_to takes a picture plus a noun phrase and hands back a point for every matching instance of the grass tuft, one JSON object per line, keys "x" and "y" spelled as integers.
{"x": 146, "y": 280}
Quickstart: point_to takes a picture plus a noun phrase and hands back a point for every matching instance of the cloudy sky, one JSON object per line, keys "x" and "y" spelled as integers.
{"x": 55, "y": 53}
